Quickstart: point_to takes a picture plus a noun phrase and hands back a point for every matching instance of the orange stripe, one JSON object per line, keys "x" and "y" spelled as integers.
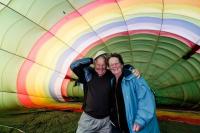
{"x": 192, "y": 118}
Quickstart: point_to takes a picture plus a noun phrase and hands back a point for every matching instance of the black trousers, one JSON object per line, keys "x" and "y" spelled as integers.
{"x": 117, "y": 130}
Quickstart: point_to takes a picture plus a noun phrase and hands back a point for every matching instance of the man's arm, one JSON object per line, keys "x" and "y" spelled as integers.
{"x": 79, "y": 66}
{"x": 131, "y": 68}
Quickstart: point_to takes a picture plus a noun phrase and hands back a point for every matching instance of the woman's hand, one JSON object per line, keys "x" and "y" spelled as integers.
{"x": 136, "y": 127}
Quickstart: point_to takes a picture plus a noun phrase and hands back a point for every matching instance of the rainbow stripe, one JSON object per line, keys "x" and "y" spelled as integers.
{"x": 40, "y": 86}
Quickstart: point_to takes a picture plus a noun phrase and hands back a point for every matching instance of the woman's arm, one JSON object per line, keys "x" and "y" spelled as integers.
{"x": 146, "y": 104}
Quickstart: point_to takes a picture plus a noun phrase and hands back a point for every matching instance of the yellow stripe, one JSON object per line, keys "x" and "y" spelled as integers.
{"x": 37, "y": 84}
{"x": 70, "y": 31}
{"x": 50, "y": 52}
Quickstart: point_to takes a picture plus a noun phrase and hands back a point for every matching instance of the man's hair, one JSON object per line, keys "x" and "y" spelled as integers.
{"x": 118, "y": 56}
{"x": 102, "y": 56}
{"x": 101, "y": 52}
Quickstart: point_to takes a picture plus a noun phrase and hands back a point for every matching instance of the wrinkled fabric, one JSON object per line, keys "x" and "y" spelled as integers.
{"x": 88, "y": 124}
{"x": 140, "y": 104}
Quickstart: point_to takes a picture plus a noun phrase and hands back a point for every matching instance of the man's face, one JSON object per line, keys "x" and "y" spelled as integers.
{"x": 100, "y": 66}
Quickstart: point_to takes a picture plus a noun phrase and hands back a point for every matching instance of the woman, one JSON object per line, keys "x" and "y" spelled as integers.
{"x": 134, "y": 103}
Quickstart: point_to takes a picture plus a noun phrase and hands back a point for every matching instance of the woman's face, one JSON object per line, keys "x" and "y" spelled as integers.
{"x": 115, "y": 66}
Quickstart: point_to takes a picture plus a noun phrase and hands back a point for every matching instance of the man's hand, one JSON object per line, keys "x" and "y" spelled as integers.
{"x": 136, "y": 72}
{"x": 136, "y": 127}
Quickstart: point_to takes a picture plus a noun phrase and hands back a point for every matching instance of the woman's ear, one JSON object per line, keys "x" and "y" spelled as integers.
{"x": 122, "y": 66}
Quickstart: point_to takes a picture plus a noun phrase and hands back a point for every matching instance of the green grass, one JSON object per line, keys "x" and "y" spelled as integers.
{"x": 66, "y": 122}
{"x": 177, "y": 127}
{"x": 40, "y": 122}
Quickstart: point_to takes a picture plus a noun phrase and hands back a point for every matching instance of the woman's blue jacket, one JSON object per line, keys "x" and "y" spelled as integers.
{"x": 139, "y": 104}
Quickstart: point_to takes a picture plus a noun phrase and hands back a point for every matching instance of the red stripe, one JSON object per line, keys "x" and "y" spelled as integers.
{"x": 152, "y": 32}
{"x": 134, "y": 32}
{"x": 21, "y": 85}
{"x": 21, "y": 80}
{"x": 180, "y": 38}
{"x": 83, "y": 10}
{"x": 188, "y": 120}
{"x": 94, "y": 5}
{"x": 198, "y": 51}
{"x": 33, "y": 53}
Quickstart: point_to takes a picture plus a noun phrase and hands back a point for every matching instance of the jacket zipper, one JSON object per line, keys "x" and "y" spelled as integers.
{"x": 117, "y": 106}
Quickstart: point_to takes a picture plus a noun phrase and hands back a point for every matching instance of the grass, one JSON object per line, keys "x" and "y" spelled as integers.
{"x": 66, "y": 122}
{"x": 40, "y": 122}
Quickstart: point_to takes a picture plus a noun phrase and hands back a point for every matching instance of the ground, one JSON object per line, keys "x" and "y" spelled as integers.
{"x": 66, "y": 122}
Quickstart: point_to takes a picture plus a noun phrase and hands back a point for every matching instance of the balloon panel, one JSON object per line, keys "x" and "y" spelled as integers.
{"x": 42, "y": 39}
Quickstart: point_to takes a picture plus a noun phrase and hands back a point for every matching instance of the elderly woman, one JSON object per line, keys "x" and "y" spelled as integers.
{"x": 134, "y": 104}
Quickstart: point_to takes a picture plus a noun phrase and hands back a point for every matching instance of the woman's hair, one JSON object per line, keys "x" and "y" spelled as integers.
{"x": 118, "y": 56}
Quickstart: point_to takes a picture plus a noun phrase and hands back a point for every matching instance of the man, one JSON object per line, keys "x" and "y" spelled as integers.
{"x": 97, "y": 93}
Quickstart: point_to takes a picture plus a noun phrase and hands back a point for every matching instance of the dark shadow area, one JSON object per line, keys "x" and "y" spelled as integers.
{"x": 177, "y": 127}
